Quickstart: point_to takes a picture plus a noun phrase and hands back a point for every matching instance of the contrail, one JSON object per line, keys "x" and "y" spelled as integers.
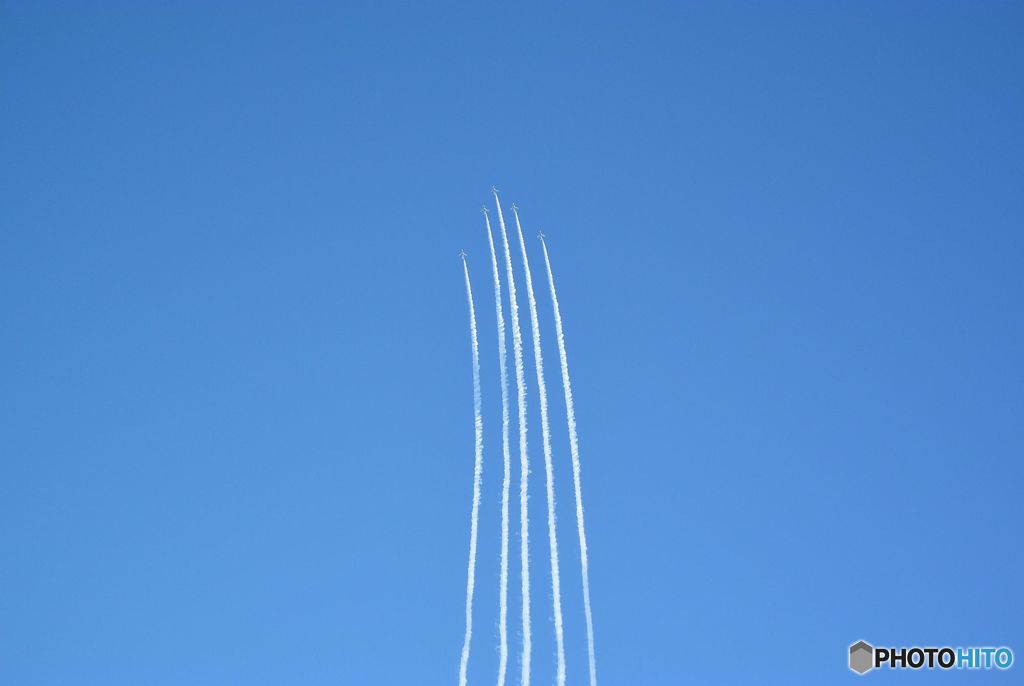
{"x": 502, "y": 365}
{"x": 478, "y": 466}
{"x": 570, "y": 414}
{"x": 524, "y": 461}
{"x": 549, "y": 473}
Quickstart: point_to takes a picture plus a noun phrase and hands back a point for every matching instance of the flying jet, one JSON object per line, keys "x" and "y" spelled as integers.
{"x": 540, "y": 235}
{"x": 462, "y": 254}
{"x": 484, "y": 210}
{"x": 494, "y": 190}
{"x": 514, "y": 207}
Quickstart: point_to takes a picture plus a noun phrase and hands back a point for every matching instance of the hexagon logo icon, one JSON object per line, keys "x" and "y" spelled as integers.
{"x": 862, "y": 657}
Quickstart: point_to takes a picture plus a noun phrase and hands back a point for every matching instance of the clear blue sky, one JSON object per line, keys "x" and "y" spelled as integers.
{"x": 235, "y": 400}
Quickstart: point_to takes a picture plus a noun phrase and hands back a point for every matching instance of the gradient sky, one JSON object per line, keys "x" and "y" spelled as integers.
{"x": 235, "y": 400}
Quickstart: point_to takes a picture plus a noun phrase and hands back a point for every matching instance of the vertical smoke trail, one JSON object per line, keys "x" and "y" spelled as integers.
{"x": 556, "y": 583}
{"x": 524, "y": 462}
{"x": 503, "y": 578}
{"x": 478, "y": 465}
{"x": 574, "y": 449}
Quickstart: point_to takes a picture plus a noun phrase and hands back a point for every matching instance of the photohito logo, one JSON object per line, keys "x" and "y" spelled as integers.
{"x": 864, "y": 657}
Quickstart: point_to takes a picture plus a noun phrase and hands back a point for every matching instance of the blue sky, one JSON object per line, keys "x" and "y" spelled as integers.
{"x": 236, "y": 434}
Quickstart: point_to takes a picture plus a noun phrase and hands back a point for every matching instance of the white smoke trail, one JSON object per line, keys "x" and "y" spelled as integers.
{"x": 574, "y": 449}
{"x": 524, "y": 462}
{"x": 556, "y": 583}
{"x": 502, "y": 366}
{"x": 478, "y": 465}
